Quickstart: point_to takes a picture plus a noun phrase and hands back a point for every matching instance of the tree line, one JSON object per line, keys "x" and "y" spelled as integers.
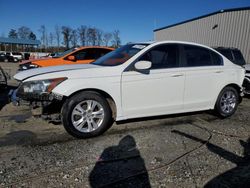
{"x": 67, "y": 37}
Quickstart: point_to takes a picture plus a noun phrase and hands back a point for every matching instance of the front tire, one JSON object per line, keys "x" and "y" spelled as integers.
{"x": 227, "y": 102}
{"x": 86, "y": 114}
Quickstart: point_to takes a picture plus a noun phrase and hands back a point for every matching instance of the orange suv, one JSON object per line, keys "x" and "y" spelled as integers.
{"x": 81, "y": 55}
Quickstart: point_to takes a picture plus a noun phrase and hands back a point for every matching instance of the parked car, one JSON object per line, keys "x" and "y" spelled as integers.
{"x": 235, "y": 55}
{"x": 7, "y": 58}
{"x": 136, "y": 80}
{"x": 82, "y": 55}
{"x": 16, "y": 55}
{"x": 50, "y": 55}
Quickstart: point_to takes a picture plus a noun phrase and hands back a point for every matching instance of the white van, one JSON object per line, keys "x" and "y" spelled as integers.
{"x": 16, "y": 55}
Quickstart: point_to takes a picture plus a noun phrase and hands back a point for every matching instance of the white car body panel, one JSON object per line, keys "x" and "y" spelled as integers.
{"x": 201, "y": 87}
{"x": 34, "y": 72}
{"x": 162, "y": 91}
{"x": 140, "y": 94}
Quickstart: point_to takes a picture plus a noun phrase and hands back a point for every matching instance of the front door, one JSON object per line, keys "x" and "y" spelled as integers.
{"x": 158, "y": 91}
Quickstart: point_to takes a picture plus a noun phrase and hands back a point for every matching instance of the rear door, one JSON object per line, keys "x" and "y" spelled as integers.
{"x": 204, "y": 77}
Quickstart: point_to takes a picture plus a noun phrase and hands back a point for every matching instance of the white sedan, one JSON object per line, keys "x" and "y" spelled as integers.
{"x": 136, "y": 80}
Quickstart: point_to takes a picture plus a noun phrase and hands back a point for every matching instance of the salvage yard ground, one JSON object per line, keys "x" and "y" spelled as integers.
{"x": 188, "y": 150}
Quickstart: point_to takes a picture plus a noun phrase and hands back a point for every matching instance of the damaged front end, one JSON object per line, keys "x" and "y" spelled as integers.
{"x": 38, "y": 94}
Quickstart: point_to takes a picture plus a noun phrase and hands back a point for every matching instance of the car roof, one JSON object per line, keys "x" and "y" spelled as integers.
{"x": 225, "y": 48}
{"x": 101, "y": 47}
{"x": 169, "y": 41}
{"x": 182, "y": 42}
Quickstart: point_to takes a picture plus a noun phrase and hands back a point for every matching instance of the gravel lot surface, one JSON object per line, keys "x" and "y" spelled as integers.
{"x": 187, "y": 150}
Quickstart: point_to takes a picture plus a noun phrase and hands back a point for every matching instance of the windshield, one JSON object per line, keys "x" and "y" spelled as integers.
{"x": 64, "y": 53}
{"x": 120, "y": 55}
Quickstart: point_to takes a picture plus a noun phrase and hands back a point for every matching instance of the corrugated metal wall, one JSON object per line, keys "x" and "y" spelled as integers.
{"x": 233, "y": 31}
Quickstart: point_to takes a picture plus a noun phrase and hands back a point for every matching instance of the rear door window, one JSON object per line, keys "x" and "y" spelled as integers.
{"x": 227, "y": 53}
{"x": 217, "y": 59}
{"x": 197, "y": 56}
{"x": 85, "y": 54}
{"x": 101, "y": 52}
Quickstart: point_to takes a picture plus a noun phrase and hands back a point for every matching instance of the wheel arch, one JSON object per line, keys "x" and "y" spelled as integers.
{"x": 235, "y": 86}
{"x": 107, "y": 96}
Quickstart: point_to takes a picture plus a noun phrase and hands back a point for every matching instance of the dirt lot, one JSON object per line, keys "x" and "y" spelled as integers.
{"x": 190, "y": 150}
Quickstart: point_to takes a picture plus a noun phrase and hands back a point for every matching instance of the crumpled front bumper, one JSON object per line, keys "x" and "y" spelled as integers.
{"x": 46, "y": 106}
{"x": 30, "y": 98}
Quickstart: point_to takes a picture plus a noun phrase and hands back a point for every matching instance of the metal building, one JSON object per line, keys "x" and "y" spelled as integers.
{"x": 10, "y": 44}
{"x": 226, "y": 28}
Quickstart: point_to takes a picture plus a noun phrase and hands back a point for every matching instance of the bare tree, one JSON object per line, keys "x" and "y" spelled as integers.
{"x": 58, "y": 36}
{"x": 107, "y": 38}
{"x": 116, "y": 39}
{"x": 82, "y": 31}
{"x": 46, "y": 40}
{"x": 99, "y": 37}
{"x": 92, "y": 36}
{"x": 66, "y": 31}
{"x": 73, "y": 38}
{"x": 43, "y": 32}
{"x": 12, "y": 34}
{"x": 24, "y": 32}
{"x": 32, "y": 36}
{"x": 51, "y": 39}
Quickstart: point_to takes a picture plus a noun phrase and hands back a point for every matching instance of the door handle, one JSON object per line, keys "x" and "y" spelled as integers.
{"x": 177, "y": 75}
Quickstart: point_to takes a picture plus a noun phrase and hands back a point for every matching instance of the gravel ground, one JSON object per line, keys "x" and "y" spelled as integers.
{"x": 188, "y": 150}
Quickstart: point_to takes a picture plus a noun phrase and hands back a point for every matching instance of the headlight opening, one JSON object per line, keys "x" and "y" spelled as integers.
{"x": 40, "y": 86}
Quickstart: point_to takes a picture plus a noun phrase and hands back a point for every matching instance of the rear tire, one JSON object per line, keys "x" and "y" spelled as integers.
{"x": 227, "y": 102}
{"x": 86, "y": 114}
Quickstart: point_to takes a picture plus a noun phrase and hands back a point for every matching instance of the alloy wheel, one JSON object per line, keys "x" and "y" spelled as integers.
{"x": 87, "y": 116}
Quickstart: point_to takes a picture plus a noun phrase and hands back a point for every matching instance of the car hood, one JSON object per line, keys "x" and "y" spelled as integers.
{"x": 52, "y": 69}
{"x": 34, "y": 60}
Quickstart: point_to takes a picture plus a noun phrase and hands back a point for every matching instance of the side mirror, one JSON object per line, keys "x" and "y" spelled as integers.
{"x": 143, "y": 65}
{"x": 71, "y": 58}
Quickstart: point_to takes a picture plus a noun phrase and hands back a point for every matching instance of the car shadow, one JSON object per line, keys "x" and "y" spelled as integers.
{"x": 120, "y": 166}
{"x": 235, "y": 177}
{"x": 211, "y": 116}
{"x": 22, "y": 137}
